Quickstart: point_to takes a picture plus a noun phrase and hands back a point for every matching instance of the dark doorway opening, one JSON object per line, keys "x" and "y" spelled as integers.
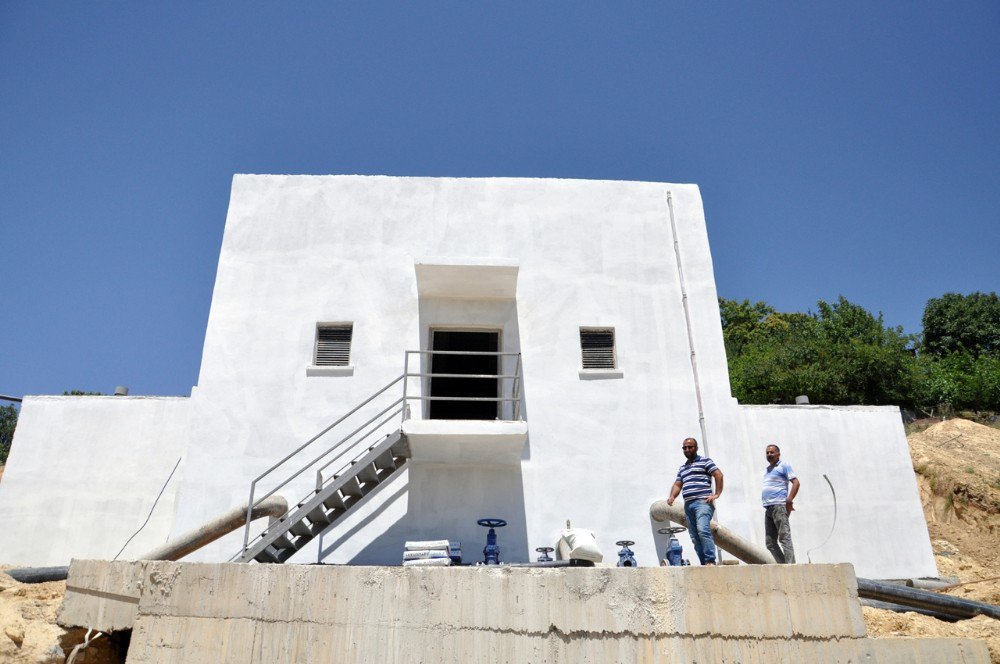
{"x": 478, "y": 342}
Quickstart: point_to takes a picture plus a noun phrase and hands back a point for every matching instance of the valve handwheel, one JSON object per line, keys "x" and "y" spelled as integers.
{"x": 625, "y": 543}
{"x": 672, "y": 530}
{"x": 492, "y": 523}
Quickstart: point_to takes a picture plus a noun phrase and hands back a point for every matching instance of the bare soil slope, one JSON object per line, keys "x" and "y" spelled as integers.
{"x": 29, "y": 633}
{"x": 957, "y": 463}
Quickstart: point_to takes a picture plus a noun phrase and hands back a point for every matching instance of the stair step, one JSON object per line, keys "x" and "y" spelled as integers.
{"x": 283, "y": 541}
{"x": 301, "y": 529}
{"x": 318, "y": 516}
{"x": 334, "y": 501}
{"x": 401, "y": 448}
{"x": 352, "y": 488}
{"x": 385, "y": 461}
{"x": 368, "y": 474}
{"x": 268, "y": 555}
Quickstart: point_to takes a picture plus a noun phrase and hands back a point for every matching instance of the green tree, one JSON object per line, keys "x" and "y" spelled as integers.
{"x": 8, "y": 421}
{"x": 956, "y": 323}
{"x": 840, "y": 355}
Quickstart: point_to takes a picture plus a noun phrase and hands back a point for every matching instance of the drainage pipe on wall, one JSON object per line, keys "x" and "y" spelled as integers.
{"x": 273, "y": 507}
{"x": 725, "y": 539}
{"x": 687, "y": 322}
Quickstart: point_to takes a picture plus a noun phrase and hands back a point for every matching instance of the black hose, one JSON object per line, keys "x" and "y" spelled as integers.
{"x": 899, "y": 608}
{"x": 925, "y": 599}
{"x": 38, "y": 574}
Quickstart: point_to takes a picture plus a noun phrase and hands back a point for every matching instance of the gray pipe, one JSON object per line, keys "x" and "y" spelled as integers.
{"x": 725, "y": 539}
{"x": 925, "y": 599}
{"x": 274, "y": 507}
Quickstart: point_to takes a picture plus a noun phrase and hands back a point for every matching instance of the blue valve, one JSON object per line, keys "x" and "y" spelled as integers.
{"x": 625, "y": 557}
{"x": 675, "y": 552}
{"x": 491, "y": 552}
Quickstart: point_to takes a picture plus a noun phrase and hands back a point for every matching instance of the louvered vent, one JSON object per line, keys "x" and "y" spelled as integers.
{"x": 333, "y": 345}
{"x": 598, "y": 346}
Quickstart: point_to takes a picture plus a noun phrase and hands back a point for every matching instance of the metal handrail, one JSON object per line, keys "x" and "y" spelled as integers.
{"x": 423, "y": 398}
{"x": 453, "y": 375}
{"x": 404, "y": 409}
{"x": 459, "y": 352}
{"x": 253, "y": 485}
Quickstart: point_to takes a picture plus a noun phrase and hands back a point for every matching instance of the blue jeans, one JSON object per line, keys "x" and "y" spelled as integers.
{"x": 699, "y": 516}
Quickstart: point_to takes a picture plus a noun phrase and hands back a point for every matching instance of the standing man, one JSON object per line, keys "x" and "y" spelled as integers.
{"x": 695, "y": 478}
{"x": 778, "y": 505}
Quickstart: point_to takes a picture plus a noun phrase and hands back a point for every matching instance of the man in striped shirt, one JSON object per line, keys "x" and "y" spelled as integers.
{"x": 695, "y": 479}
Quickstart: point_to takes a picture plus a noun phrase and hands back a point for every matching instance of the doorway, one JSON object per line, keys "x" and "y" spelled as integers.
{"x": 470, "y": 342}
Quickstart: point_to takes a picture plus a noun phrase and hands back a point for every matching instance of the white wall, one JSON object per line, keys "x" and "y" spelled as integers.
{"x": 298, "y": 250}
{"x": 863, "y": 451}
{"x": 83, "y": 475}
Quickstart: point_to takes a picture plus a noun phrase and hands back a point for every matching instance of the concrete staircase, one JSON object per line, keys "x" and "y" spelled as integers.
{"x": 329, "y": 502}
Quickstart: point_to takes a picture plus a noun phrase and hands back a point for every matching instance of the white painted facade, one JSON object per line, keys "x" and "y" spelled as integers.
{"x": 535, "y": 260}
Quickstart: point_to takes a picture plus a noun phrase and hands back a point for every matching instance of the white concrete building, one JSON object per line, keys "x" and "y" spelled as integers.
{"x": 324, "y": 284}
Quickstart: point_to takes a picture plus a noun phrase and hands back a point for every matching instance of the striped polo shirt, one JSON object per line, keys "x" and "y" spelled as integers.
{"x": 695, "y": 477}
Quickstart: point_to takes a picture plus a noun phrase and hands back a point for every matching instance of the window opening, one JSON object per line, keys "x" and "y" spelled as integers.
{"x": 452, "y": 340}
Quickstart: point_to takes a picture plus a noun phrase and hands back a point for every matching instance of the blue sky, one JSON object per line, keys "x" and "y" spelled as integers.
{"x": 841, "y": 148}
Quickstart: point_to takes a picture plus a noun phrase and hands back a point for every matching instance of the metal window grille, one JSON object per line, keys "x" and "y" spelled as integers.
{"x": 598, "y": 348}
{"x": 333, "y": 345}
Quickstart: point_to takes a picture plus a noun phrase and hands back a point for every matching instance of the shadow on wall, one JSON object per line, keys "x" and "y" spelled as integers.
{"x": 444, "y": 502}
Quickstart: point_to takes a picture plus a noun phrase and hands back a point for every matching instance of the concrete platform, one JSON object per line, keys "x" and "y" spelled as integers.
{"x": 187, "y": 612}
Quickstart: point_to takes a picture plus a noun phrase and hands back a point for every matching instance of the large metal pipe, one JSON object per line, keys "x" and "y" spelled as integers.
{"x": 925, "y": 599}
{"x": 725, "y": 539}
{"x": 899, "y": 608}
{"x": 274, "y": 507}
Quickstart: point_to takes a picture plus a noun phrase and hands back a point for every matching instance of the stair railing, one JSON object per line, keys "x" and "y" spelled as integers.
{"x": 515, "y": 379}
{"x": 399, "y": 407}
{"x": 252, "y": 503}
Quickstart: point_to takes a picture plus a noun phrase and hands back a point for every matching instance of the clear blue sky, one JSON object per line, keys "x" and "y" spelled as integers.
{"x": 841, "y": 148}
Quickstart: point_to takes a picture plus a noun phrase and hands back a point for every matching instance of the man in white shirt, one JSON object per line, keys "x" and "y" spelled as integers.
{"x": 778, "y": 505}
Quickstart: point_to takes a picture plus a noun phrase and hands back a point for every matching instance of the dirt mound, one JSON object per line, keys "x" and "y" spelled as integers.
{"x": 957, "y": 464}
{"x": 891, "y": 624}
{"x": 28, "y": 630}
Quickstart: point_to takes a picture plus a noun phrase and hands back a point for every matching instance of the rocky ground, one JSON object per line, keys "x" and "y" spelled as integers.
{"x": 957, "y": 464}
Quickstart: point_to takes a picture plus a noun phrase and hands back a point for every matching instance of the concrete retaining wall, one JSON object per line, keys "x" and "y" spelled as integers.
{"x": 249, "y": 613}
